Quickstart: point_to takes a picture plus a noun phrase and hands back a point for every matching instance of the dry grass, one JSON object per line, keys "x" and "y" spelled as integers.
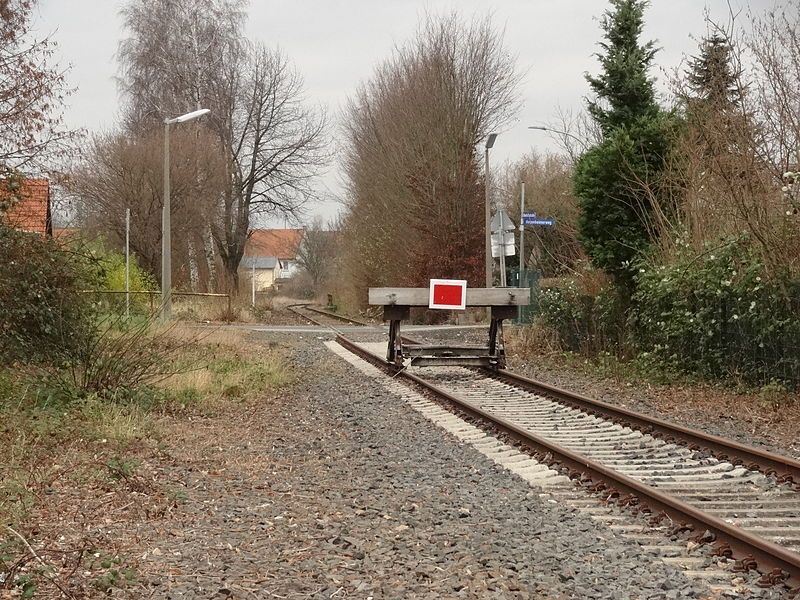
{"x": 112, "y": 423}
{"x": 227, "y": 337}
{"x": 532, "y": 340}
{"x": 199, "y": 380}
{"x": 88, "y": 455}
{"x": 210, "y": 309}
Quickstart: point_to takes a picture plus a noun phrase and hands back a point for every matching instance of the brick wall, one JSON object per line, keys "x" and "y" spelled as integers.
{"x": 32, "y": 213}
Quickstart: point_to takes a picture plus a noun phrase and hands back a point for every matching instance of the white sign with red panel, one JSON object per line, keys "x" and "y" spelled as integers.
{"x": 448, "y": 294}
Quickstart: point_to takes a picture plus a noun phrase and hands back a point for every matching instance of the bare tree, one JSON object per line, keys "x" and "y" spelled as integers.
{"x": 275, "y": 146}
{"x": 177, "y": 55}
{"x": 122, "y": 172}
{"x": 741, "y": 135}
{"x": 415, "y": 191}
{"x": 317, "y": 253}
{"x": 775, "y": 47}
{"x": 548, "y": 193}
{"x": 271, "y": 143}
{"x": 32, "y": 91}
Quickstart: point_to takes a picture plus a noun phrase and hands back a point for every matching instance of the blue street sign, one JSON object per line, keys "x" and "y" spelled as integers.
{"x": 532, "y": 219}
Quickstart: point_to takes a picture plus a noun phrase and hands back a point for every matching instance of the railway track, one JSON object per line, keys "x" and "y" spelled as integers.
{"x": 744, "y": 500}
{"x": 321, "y": 317}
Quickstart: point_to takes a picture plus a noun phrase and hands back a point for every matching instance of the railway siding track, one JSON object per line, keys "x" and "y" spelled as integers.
{"x": 751, "y": 513}
{"x": 785, "y": 469}
{"x": 322, "y": 317}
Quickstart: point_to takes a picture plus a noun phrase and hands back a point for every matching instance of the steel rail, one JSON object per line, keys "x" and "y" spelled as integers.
{"x": 767, "y": 555}
{"x": 721, "y": 448}
{"x": 334, "y": 315}
{"x": 785, "y": 468}
{"x": 293, "y": 308}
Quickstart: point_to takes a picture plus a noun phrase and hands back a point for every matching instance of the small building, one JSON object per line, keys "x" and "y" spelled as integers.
{"x": 264, "y": 269}
{"x": 31, "y": 212}
{"x": 281, "y": 244}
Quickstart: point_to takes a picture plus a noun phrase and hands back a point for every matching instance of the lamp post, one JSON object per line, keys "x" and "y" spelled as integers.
{"x": 166, "y": 238}
{"x": 558, "y": 132}
{"x": 489, "y": 143}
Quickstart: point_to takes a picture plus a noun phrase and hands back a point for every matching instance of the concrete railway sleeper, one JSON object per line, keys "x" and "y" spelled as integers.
{"x": 750, "y": 512}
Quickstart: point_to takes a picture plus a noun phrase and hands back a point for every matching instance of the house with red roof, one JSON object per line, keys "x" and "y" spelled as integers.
{"x": 270, "y": 255}
{"x": 31, "y": 212}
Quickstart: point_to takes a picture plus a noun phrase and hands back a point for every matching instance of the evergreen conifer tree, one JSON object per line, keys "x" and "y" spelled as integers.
{"x": 624, "y": 92}
{"x": 711, "y": 76}
{"x": 615, "y": 180}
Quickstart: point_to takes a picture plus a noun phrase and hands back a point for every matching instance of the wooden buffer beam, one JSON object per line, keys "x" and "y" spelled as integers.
{"x": 397, "y": 303}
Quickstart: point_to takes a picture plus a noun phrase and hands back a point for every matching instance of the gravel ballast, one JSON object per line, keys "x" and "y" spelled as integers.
{"x": 720, "y": 410}
{"x": 342, "y": 490}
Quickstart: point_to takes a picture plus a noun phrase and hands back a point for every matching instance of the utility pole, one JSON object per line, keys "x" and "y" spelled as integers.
{"x": 127, "y": 263}
{"x": 489, "y": 143}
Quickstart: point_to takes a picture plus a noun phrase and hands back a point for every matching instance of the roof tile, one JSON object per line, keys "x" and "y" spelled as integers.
{"x": 280, "y": 243}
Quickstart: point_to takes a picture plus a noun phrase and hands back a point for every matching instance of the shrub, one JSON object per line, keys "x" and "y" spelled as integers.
{"x": 720, "y": 315}
{"x": 110, "y": 265}
{"x": 120, "y": 359}
{"x": 43, "y": 316}
{"x": 585, "y": 322}
{"x": 717, "y": 314}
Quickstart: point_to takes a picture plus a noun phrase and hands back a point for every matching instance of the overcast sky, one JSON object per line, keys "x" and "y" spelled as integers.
{"x": 335, "y": 44}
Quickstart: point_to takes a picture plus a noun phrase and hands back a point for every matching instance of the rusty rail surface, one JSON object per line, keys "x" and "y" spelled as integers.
{"x": 745, "y": 545}
{"x": 784, "y": 468}
{"x": 293, "y": 308}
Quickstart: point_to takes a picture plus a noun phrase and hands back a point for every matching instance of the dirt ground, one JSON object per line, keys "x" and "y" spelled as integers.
{"x": 171, "y": 516}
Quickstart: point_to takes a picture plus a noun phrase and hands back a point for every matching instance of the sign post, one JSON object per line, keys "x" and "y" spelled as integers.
{"x": 502, "y": 241}
{"x": 528, "y": 219}
{"x": 127, "y": 263}
{"x": 522, "y": 280}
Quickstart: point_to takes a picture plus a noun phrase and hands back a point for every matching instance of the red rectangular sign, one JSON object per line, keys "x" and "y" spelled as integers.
{"x": 448, "y": 294}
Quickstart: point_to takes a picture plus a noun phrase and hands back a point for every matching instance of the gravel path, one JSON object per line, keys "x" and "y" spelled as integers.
{"x": 344, "y": 491}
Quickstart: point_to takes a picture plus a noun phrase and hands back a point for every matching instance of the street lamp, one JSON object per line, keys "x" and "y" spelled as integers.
{"x": 166, "y": 238}
{"x": 558, "y": 132}
{"x": 489, "y": 143}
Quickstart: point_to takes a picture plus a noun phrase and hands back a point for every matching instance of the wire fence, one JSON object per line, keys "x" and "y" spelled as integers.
{"x": 716, "y": 340}
{"x": 199, "y": 305}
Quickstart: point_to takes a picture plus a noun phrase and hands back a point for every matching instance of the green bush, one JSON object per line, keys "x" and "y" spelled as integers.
{"x": 113, "y": 266}
{"x": 719, "y": 315}
{"x": 584, "y": 323}
{"x": 111, "y": 277}
{"x": 43, "y": 315}
{"x": 613, "y": 182}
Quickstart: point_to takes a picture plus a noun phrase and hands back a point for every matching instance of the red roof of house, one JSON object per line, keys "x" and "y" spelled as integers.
{"x": 32, "y": 212}
{"x": 280, "y": 243}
